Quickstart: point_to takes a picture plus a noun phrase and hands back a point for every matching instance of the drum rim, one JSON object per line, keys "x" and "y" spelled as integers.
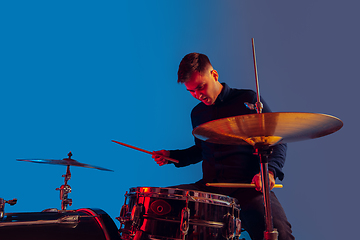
{"x": 180, "y": 194}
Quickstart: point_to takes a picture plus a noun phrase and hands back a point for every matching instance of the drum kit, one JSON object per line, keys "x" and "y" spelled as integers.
{"x": 171, "y": 213}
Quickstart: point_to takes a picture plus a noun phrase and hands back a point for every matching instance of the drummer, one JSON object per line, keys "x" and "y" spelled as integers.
{"x": 228, "y": 163}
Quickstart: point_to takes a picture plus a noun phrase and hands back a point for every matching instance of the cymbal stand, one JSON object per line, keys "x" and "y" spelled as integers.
{"x": 263, "y": 151}
{"x": 65, "y": 189}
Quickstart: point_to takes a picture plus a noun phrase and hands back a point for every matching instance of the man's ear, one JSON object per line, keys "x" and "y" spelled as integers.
{"x": 215, "y": 74}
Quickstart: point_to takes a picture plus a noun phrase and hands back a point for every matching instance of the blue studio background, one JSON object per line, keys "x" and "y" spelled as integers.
{"x": 77, "y": 74}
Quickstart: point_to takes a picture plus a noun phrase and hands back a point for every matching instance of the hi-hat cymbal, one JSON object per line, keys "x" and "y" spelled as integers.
{"x": 267, "y": 128}
{"x": 65, "y": 161}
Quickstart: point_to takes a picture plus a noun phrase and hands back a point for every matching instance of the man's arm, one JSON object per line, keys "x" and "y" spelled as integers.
{"x": 186, "y": 156}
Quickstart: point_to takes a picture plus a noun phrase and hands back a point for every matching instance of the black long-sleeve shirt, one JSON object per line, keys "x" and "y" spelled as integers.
{"x": 228, "y": 163}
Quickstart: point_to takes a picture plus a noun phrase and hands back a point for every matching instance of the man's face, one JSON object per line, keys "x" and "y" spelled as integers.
{"x": 204, "y": 87}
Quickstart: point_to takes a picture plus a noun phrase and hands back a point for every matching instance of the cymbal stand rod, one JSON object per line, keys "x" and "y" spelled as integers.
{"x": 67, "y": 176}
{"x": 258, "y": 104}
{"x": 263, "y": 152}
{"x": 65, "y": 189}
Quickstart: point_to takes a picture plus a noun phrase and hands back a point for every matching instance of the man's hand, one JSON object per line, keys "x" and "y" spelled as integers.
{"x": 158, "y": 157}
{"x": 257, "y": 181}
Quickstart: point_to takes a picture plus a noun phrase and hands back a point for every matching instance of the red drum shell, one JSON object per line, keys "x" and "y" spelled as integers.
{"x": 92, "y": 224}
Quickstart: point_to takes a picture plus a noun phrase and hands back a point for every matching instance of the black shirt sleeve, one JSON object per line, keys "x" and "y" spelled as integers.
{"x": 187, "y": 156}
{"x": 277, "y": 160}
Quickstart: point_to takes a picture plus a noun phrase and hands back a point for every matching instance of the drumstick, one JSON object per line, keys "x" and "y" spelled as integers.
{"x": 238, "y": 185}
{"x": 145, "y": 151}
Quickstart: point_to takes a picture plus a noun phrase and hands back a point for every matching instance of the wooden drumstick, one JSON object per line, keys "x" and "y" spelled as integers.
{"x": 145, "y": 151}
{"x": 238, "y": 185}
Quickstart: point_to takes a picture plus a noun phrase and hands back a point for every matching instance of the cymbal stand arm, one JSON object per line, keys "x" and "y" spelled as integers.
{"x": 263, "y": 153}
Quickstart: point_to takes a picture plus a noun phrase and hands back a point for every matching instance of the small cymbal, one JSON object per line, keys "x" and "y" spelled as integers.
{"x": 267, "y": 128}
{"x": 65, "y": 161}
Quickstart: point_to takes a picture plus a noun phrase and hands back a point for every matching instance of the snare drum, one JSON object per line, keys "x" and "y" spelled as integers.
{"x": 171, "y": 213}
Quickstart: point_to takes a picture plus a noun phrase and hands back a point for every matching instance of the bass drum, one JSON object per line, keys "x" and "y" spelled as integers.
{"x": 89, "y": 224}
{"x": 171, "y": 213}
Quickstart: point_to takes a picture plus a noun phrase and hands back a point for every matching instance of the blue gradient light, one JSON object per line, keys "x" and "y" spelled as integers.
{"x": 75, "y": 75}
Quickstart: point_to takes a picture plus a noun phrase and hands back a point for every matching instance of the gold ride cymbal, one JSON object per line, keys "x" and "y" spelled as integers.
{"x": 267, "y": 128}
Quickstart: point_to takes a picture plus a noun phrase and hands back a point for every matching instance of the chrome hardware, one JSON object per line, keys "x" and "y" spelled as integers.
{"x": 136, "y": 215}
{"x": 2, "y": 205}
{"x": 185, "y": 216}
{"x": 70, "y": 221}
{"x": 228, "y": 230}
{"x": 65, "y": 189}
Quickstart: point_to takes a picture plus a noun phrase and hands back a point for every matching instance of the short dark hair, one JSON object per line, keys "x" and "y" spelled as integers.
{"x": 192, "y": 62}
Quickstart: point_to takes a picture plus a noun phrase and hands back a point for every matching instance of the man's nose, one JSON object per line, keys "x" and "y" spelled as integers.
{"x": 197, "y": 94}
